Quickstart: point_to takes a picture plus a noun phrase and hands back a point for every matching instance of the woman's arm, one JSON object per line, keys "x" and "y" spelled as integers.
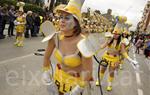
{"x": 105, "y": 44}
{"x": 87, "y": 67}
{"x": 48, "y": 53}
{"x": 123, "y": 48}
{"x": 125, "y": 54}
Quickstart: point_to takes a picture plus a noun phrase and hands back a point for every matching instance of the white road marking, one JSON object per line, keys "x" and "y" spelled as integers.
{"x": 140, "y": 92}
{"x": 134, "y": 55}
{"x": 138, "y": 78}
{"x": 16, "y": 58}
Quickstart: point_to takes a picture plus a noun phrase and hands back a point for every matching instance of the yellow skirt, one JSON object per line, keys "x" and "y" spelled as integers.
{"x": 110, "y": 59}
{"x": 65, "y": 82}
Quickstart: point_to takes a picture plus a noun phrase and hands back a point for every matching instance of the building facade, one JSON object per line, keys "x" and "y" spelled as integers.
{"x": 144, "y": 24}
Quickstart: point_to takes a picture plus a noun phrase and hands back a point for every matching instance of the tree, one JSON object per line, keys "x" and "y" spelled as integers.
{"x": 37, "y": 2}
{"x": 52, "y": 5}
{"x": 61, "y": 2}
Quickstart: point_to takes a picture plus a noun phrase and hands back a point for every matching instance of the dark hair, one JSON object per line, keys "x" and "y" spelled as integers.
{"x": 127, "y": 36}
{"x": 77, "y": 28}
{"x": 118, "y": 41}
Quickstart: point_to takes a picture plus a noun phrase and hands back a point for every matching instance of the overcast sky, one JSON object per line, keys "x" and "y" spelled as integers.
{"x": 130, "y": 8}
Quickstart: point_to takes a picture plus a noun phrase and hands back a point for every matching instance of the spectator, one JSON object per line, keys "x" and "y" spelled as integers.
{"x": 37, "y": 22}
{"x": 1, "y": 23}
{"x": 139, "y": 44}
{"x": 41, "y": 19}
{"x": 147, "y": 49}
{"x": 136, "y": 39}
{"x": 29, "y": 25}
{"x": 12, "y": 18}
{"x": 3, "y": 17}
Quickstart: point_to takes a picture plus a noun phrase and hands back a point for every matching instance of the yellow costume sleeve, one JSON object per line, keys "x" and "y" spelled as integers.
{"x": 125, "y": 55}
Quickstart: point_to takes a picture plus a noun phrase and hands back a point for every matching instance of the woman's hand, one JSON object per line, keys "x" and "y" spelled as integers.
{"x": 47, "y": 77}
{"x": 134, "y": 63}
{"x": 48, "y": 80}
{"x": 77, "y": 90}
{"x": 16, "y": 22}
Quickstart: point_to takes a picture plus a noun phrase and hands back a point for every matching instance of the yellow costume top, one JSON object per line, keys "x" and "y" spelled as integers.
{"x": 114, "y": 47}
{"x": 72, "y": 60}
{"x": 111, "y": 56}
{"x": 21, "y": 26}
{"x": 117, "y": 48}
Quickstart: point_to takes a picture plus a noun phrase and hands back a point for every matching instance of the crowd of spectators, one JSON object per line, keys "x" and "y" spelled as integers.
{"x": 142, "y": 44}
{"x": 8, "y": 15}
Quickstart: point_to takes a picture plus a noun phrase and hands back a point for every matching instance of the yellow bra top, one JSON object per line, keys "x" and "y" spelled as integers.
{"x": 114, "y": 47}
{"x": 20, "y": 19}
{"x": 72, "y": 60}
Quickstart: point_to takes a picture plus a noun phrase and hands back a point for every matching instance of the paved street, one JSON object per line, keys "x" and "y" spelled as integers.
{"x": 20, "y": 72}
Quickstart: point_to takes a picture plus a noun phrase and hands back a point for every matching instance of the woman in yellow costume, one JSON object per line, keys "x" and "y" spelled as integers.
{"x": 115, "y": 47}
{"x": 20, "y": 27}
{"x": 73, "y": 70}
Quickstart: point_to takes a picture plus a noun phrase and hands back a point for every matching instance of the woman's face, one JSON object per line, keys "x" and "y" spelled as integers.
{"x": 116, "y": 36}
{"x": 67, "y": 22}
{"x": 124, "y": 35}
